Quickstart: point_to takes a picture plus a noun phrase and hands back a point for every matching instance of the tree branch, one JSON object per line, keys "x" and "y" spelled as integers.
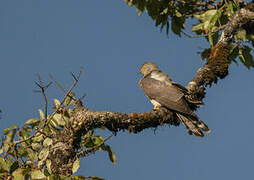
{"x": 67, "y": 142}
{"x": 133, "y": 122}
{"x": 217, "y": 63}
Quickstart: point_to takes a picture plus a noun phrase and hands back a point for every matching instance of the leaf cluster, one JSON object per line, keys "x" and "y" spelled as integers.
{"x": 212, "y": 16}
{"x": 24, "y": 150}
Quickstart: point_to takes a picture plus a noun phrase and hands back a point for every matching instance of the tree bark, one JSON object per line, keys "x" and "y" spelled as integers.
{"x": 66, "y": 144}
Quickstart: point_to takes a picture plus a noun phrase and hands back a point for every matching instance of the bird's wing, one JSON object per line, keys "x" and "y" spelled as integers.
{"x": 168, "y": 96}
{"x": 182, "y": 88}
{"x": 162, "y": 76}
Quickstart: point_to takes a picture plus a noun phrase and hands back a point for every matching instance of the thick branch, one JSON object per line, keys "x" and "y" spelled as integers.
{"x": 66, "y": 144}
{"x": 133, "y": 122}
{"x": 217, "y": 63}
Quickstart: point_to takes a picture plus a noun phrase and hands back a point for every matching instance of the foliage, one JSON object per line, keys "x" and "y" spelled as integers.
{"x": 24, "y": 150}
{"x": 212, "y": 16}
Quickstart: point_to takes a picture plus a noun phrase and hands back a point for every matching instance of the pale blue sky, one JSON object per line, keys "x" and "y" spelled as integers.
{"x": 111, "y": 42}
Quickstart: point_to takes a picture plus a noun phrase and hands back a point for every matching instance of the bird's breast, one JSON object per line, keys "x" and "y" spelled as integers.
{"x": 162, "y": 77}
{"x": 158, "y": 77}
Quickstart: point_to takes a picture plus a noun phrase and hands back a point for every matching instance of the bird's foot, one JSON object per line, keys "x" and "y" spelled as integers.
{"x": 156, "y": 108}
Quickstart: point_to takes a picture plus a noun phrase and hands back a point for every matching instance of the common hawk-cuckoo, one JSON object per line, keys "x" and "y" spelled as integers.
{"x": 163, "y": 92}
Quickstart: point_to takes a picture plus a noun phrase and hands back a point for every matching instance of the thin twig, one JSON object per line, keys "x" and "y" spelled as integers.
{"x": 67, "y": 94}
{"x": 83, "y": 96}
{"x": 43, "y": 89}
{"x": 73, "y": 85}
{"x": 58, "y": 84}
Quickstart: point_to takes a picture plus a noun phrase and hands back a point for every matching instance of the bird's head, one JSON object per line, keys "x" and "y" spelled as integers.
{"x": 147, "y": 68}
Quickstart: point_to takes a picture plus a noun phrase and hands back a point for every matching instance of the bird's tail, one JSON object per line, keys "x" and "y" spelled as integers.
{"x": 193, "y": 124}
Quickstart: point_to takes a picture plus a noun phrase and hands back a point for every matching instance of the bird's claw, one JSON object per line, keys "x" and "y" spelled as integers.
{"x": 156, "y": 108}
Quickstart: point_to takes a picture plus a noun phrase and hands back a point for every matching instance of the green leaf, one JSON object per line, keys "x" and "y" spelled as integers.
{"x": 216, "y": 16}
{"x": 28, "y": 153}
{"x": 38, "y": 138}
{"x": 22, "y": 151}
{"x": 7, "y": 130}
{"x": 197, "y": 27}
{"x": 24, "y": 134}
{"x": 58, "y": 119}
{"x": 57, "y": 103}
{"x": 3, "y": 164}
{"x": 206, "y": 16}
{"x": 96, "y": 178}
{"x": 111, "y": 153}
{"x": 27, "y": 128}
{"x": 7, "y": 146}
{"x": 46, "y": 172}
{"x": 37, "y": 174}
{"x": 210, "y": 39}
{"x": 89, "y": 142}
{"x": 167, "y": 28}
{"x": 251, "y": 37}
{"x": 208, "y": 20}
{"x": 33, "y": 122}
{"x": 18, "y": 174}
{"x": 98, "y": 140}
{"x": 246, "y": 57}
{"x": 241, "y": 35}
{"x": 231, "y": 7}
{"x": 55, "y": 177}
{"x": 36, "y": 146}
{"x": 48, "y": 165}
{"x": 178, "y": 14}
{"x": 11, "y": 135}
{"x": 47, "y": 142}
{"x": 213, "y": 38}
{"x": 31, "y": 154}
{"x": 175, "y": 27}
{"x": 76, "y": 166}
{"x": 44, "y": 154}
{"x": 14, "y": 166}
{"x": 70, "y": 99}
{"x": 206, "y": 53}
{"x": 234, "y": 52}
{"x": 42, "y": 116}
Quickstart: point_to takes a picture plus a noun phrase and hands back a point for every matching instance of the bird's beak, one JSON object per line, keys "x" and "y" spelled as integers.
{"x": 142, "y": 70}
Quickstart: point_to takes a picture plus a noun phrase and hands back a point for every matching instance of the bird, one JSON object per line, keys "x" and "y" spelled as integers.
{"x": 164, "y": 92}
